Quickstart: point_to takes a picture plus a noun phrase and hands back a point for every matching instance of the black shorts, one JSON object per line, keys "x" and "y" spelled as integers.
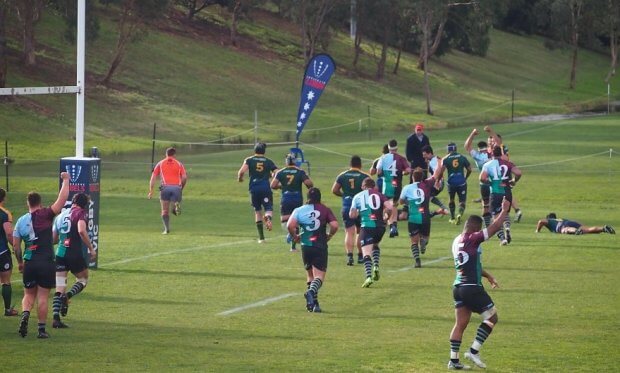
{"x": 6, "y": 262}
{"x": 485, "y": 193}
{"x": 473, "y": 297}
{"x": 262, "y": 199}
{"x": 496, "y": 201}
{"x": 314, "y": 257}
{"x": 460, "y": 190}
{"x": 71, "y": 262}
{"x": 39, "y": 272}
{"x": 371, "y": 236}
{"x": 348, "y": 222}
{"x": 423, "y": 229}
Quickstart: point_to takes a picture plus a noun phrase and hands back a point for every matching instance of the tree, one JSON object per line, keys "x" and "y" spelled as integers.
{"x": 314, "y": 18}
{"x": 29, "y": 13}
{"x": 4, "y": 10}
{"x": 134, "y": 16}
{"x": 608, "y": 25}
{"x": 194, "y": 6}
{"x": 565, "y": 21}
{"x": 430, "y": 18}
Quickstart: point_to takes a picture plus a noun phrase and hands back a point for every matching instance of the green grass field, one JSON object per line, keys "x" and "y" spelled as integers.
{"x": 156, "y": 302}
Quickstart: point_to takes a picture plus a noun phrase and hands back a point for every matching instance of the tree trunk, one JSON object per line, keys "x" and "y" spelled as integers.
{"x": 234, "y": 22}
{"x": 575, "y": 16}
{"x": 425, "y": 51}
{"x": 4, "y": 9}
{"x": 400, "y": 51}
{"x": 613, "y": 47}
{"x": 436, "y": 42}
{"x": 384, "y": 48}
{"x": 357, "y": 44}
{"x": 126, "y": 29}
{"x": 304, "y": 32}
{"x": 28, "y": 16}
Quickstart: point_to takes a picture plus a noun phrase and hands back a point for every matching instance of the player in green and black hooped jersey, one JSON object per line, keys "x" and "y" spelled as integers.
{"x": 468, "y": 293}
{"x": 459, "y": 170}
{"x": 6, "y": 262}
{"x": 370, "y": 205}
{"x": 260, "y": 169}
{"x": 290, "y": 179}
{"x": 347, "y": 185}
{"x": 391, "y": 168}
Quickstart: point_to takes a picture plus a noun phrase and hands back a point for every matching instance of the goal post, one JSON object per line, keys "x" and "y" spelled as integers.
{"x": 84, "y": 172}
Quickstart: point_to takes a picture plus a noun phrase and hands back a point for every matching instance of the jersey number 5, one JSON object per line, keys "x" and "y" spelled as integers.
{"x": 260, "y": 167}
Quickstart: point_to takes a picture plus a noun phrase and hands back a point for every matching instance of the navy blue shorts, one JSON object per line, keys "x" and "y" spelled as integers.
{"x": 290, "y": 201}
{"x": 262, "y": 200}
{"x": 460, "y": 190}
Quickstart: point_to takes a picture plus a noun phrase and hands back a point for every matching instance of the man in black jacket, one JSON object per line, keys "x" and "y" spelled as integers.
{"x": 415, "y": 142}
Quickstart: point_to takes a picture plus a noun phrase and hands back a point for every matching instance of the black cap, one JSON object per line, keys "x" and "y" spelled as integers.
{"x": 314, "y": 195}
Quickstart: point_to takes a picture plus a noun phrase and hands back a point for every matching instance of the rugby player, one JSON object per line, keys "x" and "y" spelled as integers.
{"x": 37, "y": 263}
{"x": 70, "y": 230}
{"x": 468, "y": 292}
{"x": 459, "y": 170}
{"x": 565, "y": 226}
{"x": 433, "y": 164}
{"x": 416, "y": 197}
{"x": 312, "y": 219}
{"x": 370, "y": 206}
{"x": 496, "y": 139}
{"x": 6, "y": 262}
{"x": 260, "y": 169}
{"x": 373, "y": 168}
{"x": 347, "y": 185}
{"x": 173, "y": 180}
{"x": 391, "y": 168}
{"x": 481, "y": 156}
{"x": 502, "y": 175}
{"x": 290, "y": 179}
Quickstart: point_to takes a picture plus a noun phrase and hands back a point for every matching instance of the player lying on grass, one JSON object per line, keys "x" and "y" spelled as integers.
{"x": 566, "y": 226}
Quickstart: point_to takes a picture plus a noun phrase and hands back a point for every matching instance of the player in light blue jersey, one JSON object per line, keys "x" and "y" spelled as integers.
{"x": 308, "y": 225}
{"x": 481, "y": 156}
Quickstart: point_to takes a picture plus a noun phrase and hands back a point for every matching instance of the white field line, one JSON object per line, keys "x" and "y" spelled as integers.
{"x": 408, "y": 268}
{"x": 257, "y": 304}
{"x": 172, "y": 252}
{"x": 288, "y": 295}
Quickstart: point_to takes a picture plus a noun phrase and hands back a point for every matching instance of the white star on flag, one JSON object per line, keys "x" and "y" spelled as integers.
{"x": 298, "y": 124}
{"x": 310, "y": 96}
{"x": 306, "y": 106}
{"x": 302, "y": 116}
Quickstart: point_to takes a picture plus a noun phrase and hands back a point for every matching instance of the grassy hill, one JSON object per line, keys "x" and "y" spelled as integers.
{"x": 182, "y": 77}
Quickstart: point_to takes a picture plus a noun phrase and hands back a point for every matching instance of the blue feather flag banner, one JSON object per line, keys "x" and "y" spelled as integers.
{"x": 318, "y": 72}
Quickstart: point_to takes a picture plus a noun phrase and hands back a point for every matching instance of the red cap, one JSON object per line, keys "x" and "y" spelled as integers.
{"x": 419, "y": 126}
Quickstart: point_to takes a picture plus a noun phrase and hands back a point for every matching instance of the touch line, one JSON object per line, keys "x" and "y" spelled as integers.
{"x": 257, "y": 304}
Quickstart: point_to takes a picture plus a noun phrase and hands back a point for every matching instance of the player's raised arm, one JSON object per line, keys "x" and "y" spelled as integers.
{"x": 470, "y": 139}
{"x": 63, "y": 194}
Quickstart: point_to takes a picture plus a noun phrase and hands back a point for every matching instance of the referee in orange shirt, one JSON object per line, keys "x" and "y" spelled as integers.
{"x": 173, "y": 179}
